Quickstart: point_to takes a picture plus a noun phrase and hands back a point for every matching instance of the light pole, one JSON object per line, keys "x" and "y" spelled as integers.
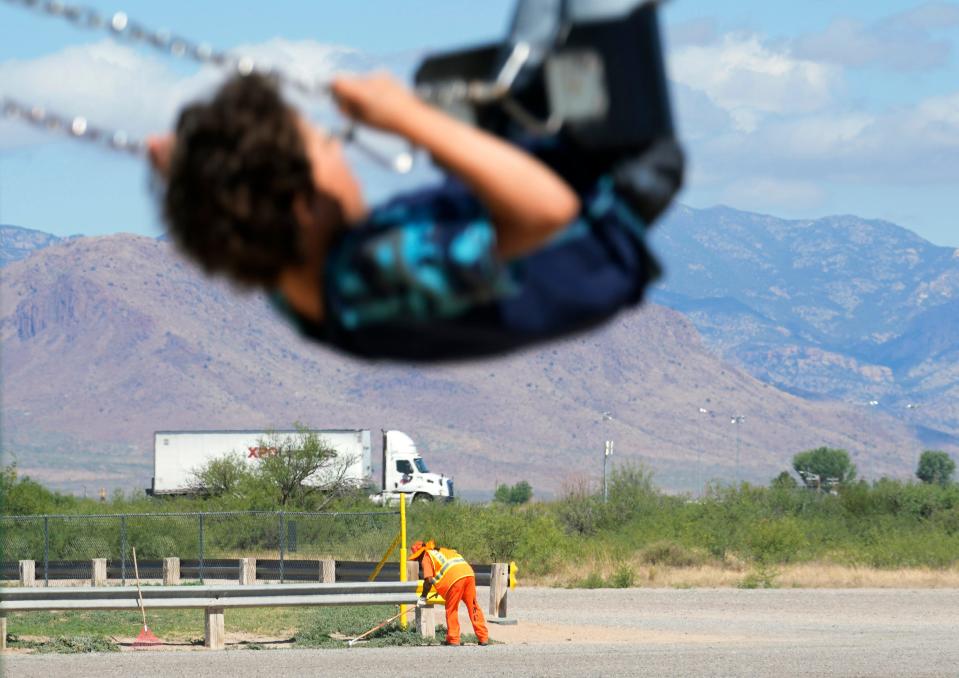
{"x": 702, "y": 473}
{"x": 608, "y": 450}
{"x": 606, "y": 456}
{"x": 912, "y": 407}
{"x": 737, "y": 420}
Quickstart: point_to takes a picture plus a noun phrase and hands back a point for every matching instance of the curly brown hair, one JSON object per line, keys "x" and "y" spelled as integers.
{"x": 237, "y": 166}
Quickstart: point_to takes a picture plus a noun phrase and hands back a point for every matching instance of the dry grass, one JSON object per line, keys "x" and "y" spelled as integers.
{"x": 731, "y": 574}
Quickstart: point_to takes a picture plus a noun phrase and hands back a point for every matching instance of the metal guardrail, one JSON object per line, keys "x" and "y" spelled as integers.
{"x": 226, "y": 568}
{"x": 194, "y": 597}
{"x": 212, "y": 599}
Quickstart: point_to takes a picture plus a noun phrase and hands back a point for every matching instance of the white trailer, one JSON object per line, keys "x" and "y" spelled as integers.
{"x": 178, "y": 455}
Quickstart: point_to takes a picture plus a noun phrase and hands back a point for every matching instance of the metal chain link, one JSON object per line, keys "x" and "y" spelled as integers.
{"x": 76, "y": 127}
{"x": 121, "y": 26}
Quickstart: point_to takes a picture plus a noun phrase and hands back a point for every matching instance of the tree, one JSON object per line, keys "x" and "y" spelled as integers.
{"x": 824, "y": 467}
{"x": 520, "y": 493}
{"x": 301, "y": 470}
{"x": 784, "y": 481}
{"x": 935, "y": 468}
{"x": 302, "y": 467}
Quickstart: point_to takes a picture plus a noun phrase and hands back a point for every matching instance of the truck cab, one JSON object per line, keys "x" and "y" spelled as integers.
{"x": 404, "y": 471}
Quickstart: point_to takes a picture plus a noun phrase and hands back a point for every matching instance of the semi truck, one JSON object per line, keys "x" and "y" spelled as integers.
{"x": 178, "y": 455}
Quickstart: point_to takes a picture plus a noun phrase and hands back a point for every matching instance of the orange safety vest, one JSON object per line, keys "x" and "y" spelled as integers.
{"x": 449, "y": 567}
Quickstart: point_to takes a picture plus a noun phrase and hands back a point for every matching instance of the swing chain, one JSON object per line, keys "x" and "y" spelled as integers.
{"x": 122, "y": 27}
{"x": 76, "y": 127}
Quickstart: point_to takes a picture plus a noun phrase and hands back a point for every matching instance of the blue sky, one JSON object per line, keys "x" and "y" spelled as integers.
{"x": 796, "y": 109}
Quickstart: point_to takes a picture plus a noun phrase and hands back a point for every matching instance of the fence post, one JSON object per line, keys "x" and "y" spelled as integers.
{"x": 28, "y": 573}
{"x": 247, "y": 571}
{"x": 201, "y": 548}
{"x": 498, "y": 587}
{"x": 123, "y": 550}
{"x": 46, "y": 551}
{"x": 98, "y": 572}
{"x": 215, "y": 631}
{"x": 327, "y": 571}
{"x": 281, "y": 535}
{"x": 171, "y": 571}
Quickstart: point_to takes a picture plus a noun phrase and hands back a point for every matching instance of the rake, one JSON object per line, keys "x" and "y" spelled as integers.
{"x": 379, "y": 626}
{"x": 146, "y": 637}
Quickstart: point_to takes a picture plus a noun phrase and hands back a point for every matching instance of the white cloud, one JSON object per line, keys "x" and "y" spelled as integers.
{"x": 768, "y": 128}
{"x": 117, "y": 87}
{"x": 110, "y": 84}
{"x": 751, "y": 80}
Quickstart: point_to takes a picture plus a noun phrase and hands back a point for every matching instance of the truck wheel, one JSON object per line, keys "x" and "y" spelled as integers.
{"x": 422, "y": 498}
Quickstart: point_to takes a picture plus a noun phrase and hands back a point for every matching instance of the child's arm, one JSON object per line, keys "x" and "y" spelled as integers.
{"x": 528, "y": 202}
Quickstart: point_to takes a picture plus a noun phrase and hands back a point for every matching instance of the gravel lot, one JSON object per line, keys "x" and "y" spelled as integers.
{"x": 613, "y": 633}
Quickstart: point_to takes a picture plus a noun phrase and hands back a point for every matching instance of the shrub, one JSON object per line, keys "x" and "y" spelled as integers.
{"x": 775, "y": 541}
{"x": 784, "y": 481}
{"x": 631, "y": 494}
{"x": 592, "y": 581}
{"x": 579, "y": 509}
{"x": 623, "y": 578}
{"x": 670, "y": 554}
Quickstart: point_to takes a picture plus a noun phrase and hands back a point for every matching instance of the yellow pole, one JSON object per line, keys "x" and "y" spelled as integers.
{"x": 403, "y": 621}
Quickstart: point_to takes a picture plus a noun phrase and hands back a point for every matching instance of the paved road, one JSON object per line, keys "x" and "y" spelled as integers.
{"x": 620, "y": 633}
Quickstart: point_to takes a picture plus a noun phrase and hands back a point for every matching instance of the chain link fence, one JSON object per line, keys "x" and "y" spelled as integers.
{"x": 287, "y": 546}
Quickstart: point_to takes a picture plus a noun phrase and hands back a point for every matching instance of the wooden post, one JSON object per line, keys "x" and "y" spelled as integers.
{"x": 247, "y": 571}
{"x": 28, "y": 573}
{"x": 98, "y": 574}
{"x": 327, "y": 571}
{"x": 426, "y": 621}
{"x": 171, "y": 571}
{"x": 215, "y": 637}
{"x": 498, "y": 586}
{"x": 3, "y": 631}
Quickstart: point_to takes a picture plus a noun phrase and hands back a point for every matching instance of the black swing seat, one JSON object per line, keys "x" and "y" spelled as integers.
{"x": 586, "y": 76}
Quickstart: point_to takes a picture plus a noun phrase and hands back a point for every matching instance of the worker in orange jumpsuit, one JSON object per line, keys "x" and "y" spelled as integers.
{"x": 448, "y": 572}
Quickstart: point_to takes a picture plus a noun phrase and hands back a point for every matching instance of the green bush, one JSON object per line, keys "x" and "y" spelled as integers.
{"x": 670, "y": 554}
{"x": 580, "y": 510}
{"x": 593, "y": 580}
{"x": 623, "y": 578}
{"x": 775, "y": 541}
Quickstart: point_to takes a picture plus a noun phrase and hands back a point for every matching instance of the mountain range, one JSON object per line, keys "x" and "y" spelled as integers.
{"x": 106, "y": 339}
{"x": 838, "y": 308}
